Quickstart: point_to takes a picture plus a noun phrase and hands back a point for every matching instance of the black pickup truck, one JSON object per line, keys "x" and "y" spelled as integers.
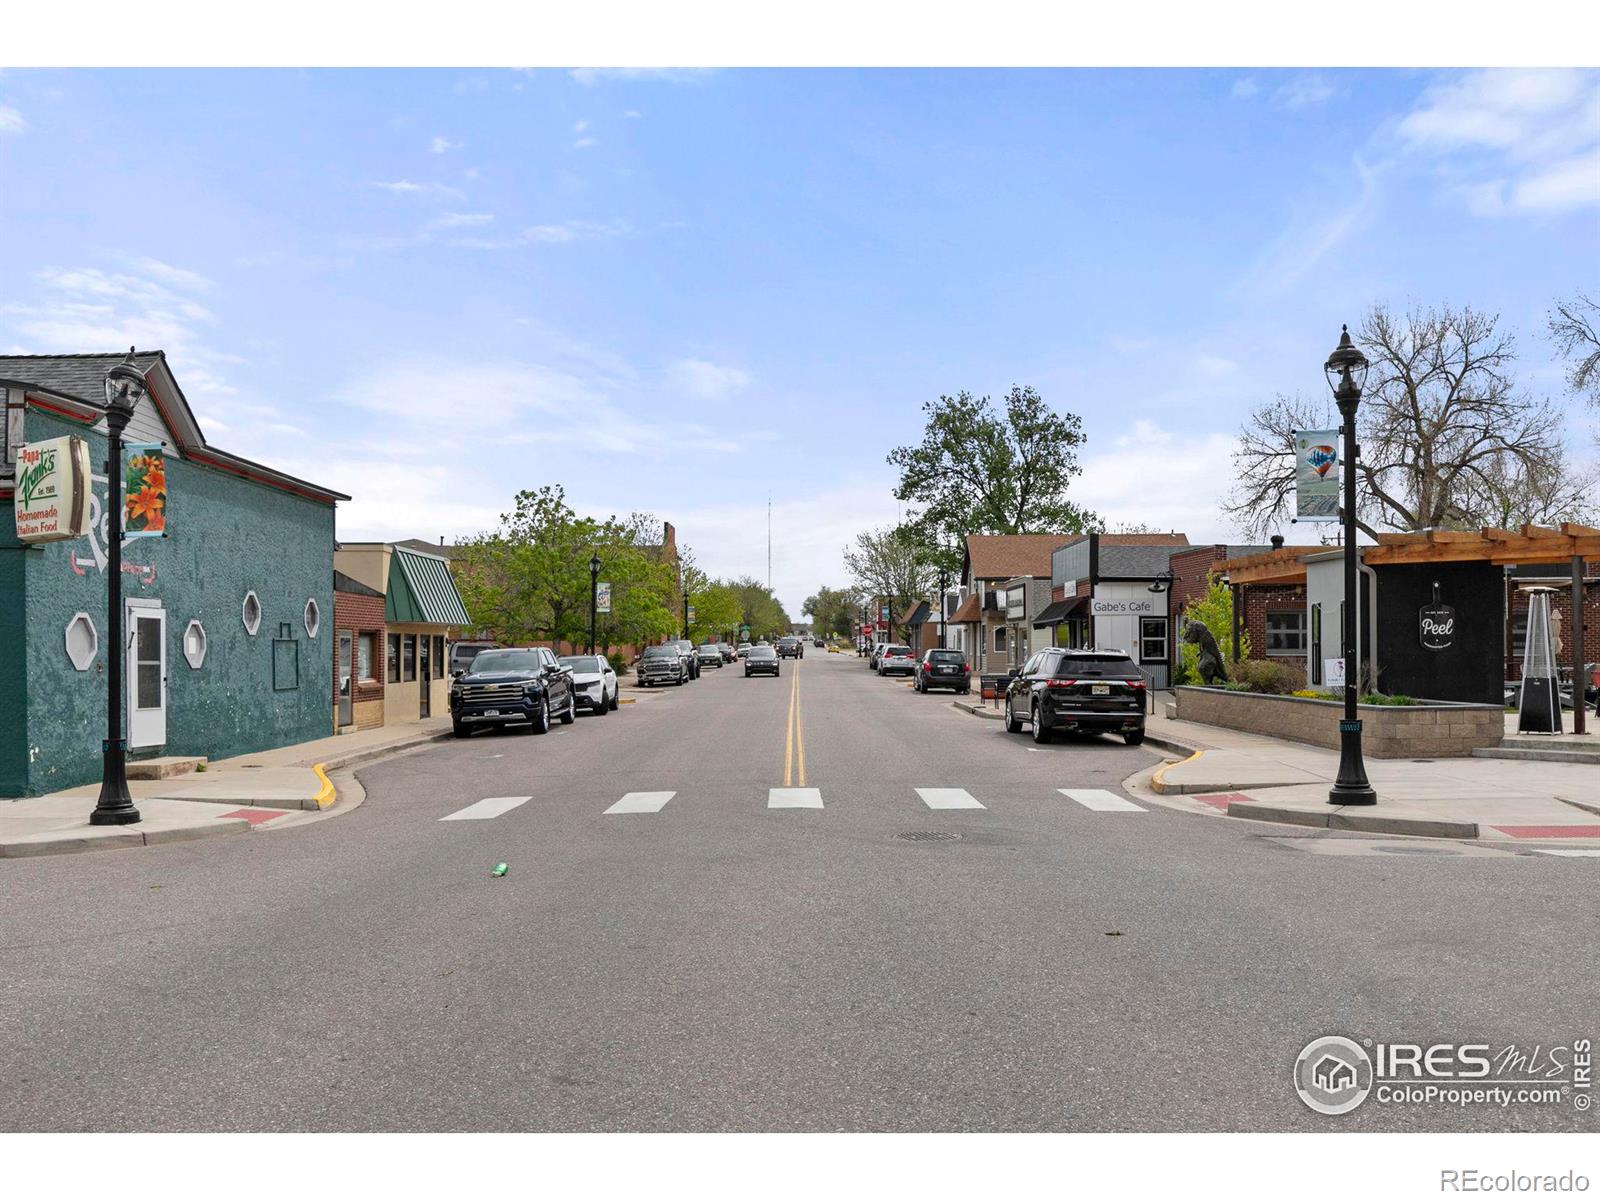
{"x": 791, "y": 647}
{"x": 507, "y": 686}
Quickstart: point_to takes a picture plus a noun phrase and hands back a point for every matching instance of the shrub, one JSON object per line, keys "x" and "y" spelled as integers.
{"x": 1377, "y": 698}
{"x": 1214, "y": 610}
{"x": 618, "y": 661}
{"x": 1268, "y": 676}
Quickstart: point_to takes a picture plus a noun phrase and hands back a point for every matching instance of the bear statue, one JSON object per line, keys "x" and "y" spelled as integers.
{"x": 1210, "y": 662}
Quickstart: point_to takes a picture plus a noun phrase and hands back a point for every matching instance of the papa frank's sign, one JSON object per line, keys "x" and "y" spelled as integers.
{"x": 52, "y": 490}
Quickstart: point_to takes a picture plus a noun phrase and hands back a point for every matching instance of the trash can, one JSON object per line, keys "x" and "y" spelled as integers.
{"x": 992, "y": 687}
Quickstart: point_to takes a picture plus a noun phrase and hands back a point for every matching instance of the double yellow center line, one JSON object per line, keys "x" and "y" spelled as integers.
{"x": 794, "y": 746}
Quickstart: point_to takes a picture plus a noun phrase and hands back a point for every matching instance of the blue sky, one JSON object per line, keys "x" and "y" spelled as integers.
{"x": 675, "y": 291}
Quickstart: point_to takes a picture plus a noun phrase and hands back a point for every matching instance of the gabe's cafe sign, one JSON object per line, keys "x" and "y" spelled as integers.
{"x": 52, "y": 492}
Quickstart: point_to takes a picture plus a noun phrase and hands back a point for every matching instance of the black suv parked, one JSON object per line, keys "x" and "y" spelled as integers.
{"x": 507, "y": 685}
{"x": 1087, "y": 691}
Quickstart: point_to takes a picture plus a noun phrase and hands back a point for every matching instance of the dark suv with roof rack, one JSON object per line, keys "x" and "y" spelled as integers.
{"x": 1080, "y": 691}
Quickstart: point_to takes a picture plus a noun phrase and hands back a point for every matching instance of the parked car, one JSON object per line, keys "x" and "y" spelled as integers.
{"x": 462, "y": 654}
{"x": 1088, "y": 691}
{"x": 594, "y": 682}
{"x": 662, "y": 664}
{"x": 762, "y": 660}
{"x": 817, "y": 642}
{"x": 874, "y": 654}
{"x": 709, "y": 656}
{"x": 742, "y": 649}
{"x": 893, "y": 660}
{"x": 728, "y": 655}
{"x": 690, "y": 658}
{"x": 944, "y": 668}
{"x": 790, "y": 647}
{"x": 508, "y": 685}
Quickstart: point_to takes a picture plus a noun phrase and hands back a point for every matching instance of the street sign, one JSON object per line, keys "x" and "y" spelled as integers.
{"x": 53, "y": 490}
{"x": 602, "y": 597}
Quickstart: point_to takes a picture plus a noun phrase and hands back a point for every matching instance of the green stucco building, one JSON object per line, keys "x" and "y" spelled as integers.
{"x": 229, "y": 614}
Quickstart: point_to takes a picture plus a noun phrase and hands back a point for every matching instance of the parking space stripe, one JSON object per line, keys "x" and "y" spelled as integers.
{"x": 1568, "y": 853}
{"x": 947, "y": 798}
{"x": 794, "y": 798}
{"x": 637, "y": 802}
{"x": 1100, "y": 800}
{"x": 493, "y": 806}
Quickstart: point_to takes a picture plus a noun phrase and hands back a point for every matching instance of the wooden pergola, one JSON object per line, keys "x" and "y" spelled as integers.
{"x": 1568, "y": 542}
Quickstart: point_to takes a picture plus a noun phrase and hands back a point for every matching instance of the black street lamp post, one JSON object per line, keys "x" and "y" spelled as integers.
{"x": 124, "y": 386}
{"x": 594, "y": 596}
{"x": 1346, "y": 369}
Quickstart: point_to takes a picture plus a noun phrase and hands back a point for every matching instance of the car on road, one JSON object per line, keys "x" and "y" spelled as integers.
{"x": 690, "y": 658}
{"x": 762, "y": 660}
{"x": 709, "y": 656}
{"x": 894, "y": 660}
{"x": 742, "y": 649}
{"x": 943, "y": 668}
{"x": 509, "y": 685}
{"x": 728, "y": 655}
{"x": 462, "y": 654}
{"x": 790, "y": 647}
{"x": 594, "y": 682}
{"x": 662, "y": 665}
{"x": 1080, "y": 691}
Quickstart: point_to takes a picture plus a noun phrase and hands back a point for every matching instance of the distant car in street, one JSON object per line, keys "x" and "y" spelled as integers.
{"x": 790, "y": 647}
{"x": 709, "y": 656}
{"x": 511, "y": 685}
{"x": 761, "y": 660}
{"x": 742, "y": 649}
{"x": 943, "y": 668}
{"x": 662, "y": 665}
{"x": 690, "y": 658}
{"x": 462, "y": 654}
{"x": 874, "y": 653}
{"x": 728, "y": 655}
{"x": 1082, "y": 691}
{"x": 895, "y": 660}
{"x": 594, "y": 682}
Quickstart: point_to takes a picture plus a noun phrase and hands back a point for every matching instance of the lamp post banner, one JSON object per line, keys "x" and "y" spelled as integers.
{"x": 144, "y": 486}
{"x": 1316, "y": 475}
{"x": 53, "y": 490}
{"x": 602, "y": 593}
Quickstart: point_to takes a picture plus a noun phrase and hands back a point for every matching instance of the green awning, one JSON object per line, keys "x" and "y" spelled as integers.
{"x": 421, "y": 590}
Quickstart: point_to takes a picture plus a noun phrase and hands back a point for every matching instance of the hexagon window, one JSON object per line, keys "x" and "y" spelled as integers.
{"x": 194, "y": 644}
{"x": 313, "y": 618}
{"x": 83, "y": 641}
{"x": 252, "y": 613}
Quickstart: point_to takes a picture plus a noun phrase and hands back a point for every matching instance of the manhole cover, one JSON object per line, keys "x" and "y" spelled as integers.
{"x": 928, "y": 837}
{"x": 1412, "y": 850}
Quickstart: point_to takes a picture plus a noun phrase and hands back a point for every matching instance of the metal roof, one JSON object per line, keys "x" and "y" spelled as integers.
{"x": 432, "y": 595}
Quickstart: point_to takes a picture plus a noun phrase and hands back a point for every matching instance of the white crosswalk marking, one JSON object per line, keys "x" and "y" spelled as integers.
{"x": 637, "y": 802}
{"x": 1572, "y": 853}
{"x": 794, "y": 798}
{"x": 494, "y": 806}
{"x": 1100, "y": 800}
{"x": 947, "y": 798}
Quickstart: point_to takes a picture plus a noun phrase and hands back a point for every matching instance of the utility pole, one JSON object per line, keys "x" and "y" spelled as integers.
{"x": 769, "y": 541}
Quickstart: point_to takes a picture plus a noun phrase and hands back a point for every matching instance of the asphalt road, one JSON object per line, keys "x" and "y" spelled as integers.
{"x": 719, "y": 964}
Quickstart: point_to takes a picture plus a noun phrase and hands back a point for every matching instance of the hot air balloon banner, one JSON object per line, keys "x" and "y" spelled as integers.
{"x": 1316, "y": 475}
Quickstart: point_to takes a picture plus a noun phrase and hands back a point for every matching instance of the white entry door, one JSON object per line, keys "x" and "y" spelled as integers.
{"x": 147, "y": 675}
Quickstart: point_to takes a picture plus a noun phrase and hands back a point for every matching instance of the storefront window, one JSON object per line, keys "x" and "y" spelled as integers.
{"x": 394, "y": 658}
{"x": 364, "y": 654}
{"x": 1152, "y": 639}
{"x": 1286, "y": 632}
{"x": 408, "y": 659}
{"x": 438, "y": 657}
{"x": 1000, "y": 639}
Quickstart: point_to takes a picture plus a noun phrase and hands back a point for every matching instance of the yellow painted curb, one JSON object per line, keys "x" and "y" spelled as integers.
{"x": 329, "y": 793}
{"x": 1156, "y": 784}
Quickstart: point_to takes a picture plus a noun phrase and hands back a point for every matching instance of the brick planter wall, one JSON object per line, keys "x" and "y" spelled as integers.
{"x": 1419, "y": 731}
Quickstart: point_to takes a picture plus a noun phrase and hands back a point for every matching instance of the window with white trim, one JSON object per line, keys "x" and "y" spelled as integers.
{"x": 1152, "y": 639}
{"x": 194, "y": 644}
{"x": 83, "y": 641}
{"x": 313, "y": 618}
{"x": 251, "y": 613}
{"x": 999, "y": 639}
{"x": 1286, "y": 632}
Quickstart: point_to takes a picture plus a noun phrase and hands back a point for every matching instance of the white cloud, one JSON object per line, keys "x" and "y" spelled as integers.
{"x": 707, "y": 380}
{"x": 555, "y": 234}
{"x": 178, "y": 277}
{"x": 633, "y": 114}
{"x": 1214, "y": 366}
{"x": 11, "y": 120}
{"x": 1193, "y": 466}
{"x": 1303, "y": 91}
{"x": 584, "y": 143}
{"x": 1514, "y": 141}
{"x": 580, "y": 126}
{"x": 456, "y": 220}
{"x": 1310, "y": 237}
{"x": 441, "y": 145}
{"x": 1246, "y": 88}
{"x": 589, "y": 76}
{"x": 407, "y": 187}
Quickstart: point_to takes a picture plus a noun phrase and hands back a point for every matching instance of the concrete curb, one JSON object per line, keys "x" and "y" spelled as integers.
{"x": 371, "y": 752}
{"x": 328, "y": 793}
{"x": 978, "y": 710}
{"x": 123, "y": 841}
{"x": 1344, "y": 819}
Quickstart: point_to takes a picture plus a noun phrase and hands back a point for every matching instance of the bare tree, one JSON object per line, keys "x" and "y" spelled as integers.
{"x": 1572, "y": 325}
{"x": 888, "y": 564}
{"x": 1447, "y": 440}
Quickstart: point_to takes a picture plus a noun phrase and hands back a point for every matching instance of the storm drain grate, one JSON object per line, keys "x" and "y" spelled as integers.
{"x": 928, "y": 836}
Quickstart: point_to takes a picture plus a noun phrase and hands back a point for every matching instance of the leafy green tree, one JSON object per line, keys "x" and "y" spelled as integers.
{"x": 979, "y": 470}
{"x": 1213, "y": 609}
{"x": 717, "y": 611}
{"x": 833, "y": 611}
{"x": 759, "y": 609}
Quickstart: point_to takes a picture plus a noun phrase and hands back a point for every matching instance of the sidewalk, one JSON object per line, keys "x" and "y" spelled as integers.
{"x": 1248, "y": 776}
{"x": 271, "y": 789}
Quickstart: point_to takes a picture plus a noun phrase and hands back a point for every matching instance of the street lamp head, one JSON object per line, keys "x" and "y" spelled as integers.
{"x": 594, "y": 564}
{"x": 1346, "y": 369}
{"x": 124, "y": 386}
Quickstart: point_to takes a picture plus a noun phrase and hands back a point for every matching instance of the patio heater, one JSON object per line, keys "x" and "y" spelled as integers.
{"x": 1539, "y": 698}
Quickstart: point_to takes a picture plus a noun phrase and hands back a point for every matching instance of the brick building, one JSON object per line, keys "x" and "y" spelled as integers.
{"x": 358, "y": 647}
{"x": 1273, "y": 616}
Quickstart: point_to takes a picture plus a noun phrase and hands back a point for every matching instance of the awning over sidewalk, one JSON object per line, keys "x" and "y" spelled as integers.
{"x": 1059, "y": 610}
{"x": 970, "y": 613}
{"x": 421, "y": 590}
